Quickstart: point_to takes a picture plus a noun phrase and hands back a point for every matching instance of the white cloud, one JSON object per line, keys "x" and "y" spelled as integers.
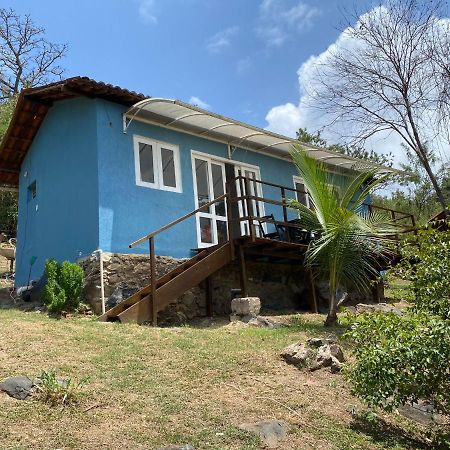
{"x": 288, "y": 118}
{"x": 279, "y": 18}
{"x": 196, "y": 101}
{"x": 221, "y": 40}
{"x": 147, "y": 11}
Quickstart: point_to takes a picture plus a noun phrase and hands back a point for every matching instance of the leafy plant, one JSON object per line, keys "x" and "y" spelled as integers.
{"x": 64, "y": 285}
{"x": 71, "y": 281}
{"x": 59, "y": 392}
{"x": 400, "y": 359}
{"x": 351, "y": 238}
{"x": 426, "y": 264}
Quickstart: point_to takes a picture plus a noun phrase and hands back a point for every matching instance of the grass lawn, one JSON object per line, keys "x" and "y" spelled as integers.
{"x": 153, "y": 387}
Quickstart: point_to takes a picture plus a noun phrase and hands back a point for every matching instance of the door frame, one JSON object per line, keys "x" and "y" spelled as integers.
{"x": 212, "y": 216}
{"x": 237, "y": 165}
{"x": 259, "y": 193}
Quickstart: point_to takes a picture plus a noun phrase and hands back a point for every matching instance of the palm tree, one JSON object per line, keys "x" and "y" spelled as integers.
{"x": 350, "y": 239}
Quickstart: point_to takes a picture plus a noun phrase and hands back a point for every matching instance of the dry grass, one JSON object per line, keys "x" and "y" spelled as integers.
{"x": 153, "y": 387}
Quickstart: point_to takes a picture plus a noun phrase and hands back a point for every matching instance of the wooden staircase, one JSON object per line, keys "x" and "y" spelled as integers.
{"x": 141, "y": 306}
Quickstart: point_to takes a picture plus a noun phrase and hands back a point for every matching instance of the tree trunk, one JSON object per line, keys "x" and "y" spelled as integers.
{"x": 436, "y": 187}
{"x": 331, "y": 319}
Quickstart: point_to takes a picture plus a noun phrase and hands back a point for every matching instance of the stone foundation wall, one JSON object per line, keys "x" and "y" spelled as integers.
{"x": 279, "y": 286}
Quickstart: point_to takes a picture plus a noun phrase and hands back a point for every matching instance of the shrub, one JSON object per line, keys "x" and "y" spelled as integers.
{"x": 56, "y": 392}
{"x": 427, "y": 266}
{"x": 400, "y": 359}
{"x": 62, "y": 291}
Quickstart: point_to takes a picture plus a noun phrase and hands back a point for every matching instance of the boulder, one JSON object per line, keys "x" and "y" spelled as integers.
{"x": 271, "y": 432}
{"x": 318, "y": 342}
{"x": 246, "y": 306}
{"x": 328, "y": 355}
{"x": 384, "y": 308}
{"x": 297, "y": 354}
{"x": 20, "y": 388}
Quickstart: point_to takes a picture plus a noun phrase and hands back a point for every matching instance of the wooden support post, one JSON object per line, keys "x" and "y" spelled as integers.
{"x": 153, "y": 281}
{"x": 285, "y": 214}
{"x": 230, "y": 219}
{"x": 250, "y": 214}
{"x": 243, "y": 272}
{"x": 208, "y": 297}
{"x": 315, "y": 307}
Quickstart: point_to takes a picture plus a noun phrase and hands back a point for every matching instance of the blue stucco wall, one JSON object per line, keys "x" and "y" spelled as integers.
{"x": 87, "y": 196}
{"x": 62, "y": 221}
{"x": 128, "y": 211}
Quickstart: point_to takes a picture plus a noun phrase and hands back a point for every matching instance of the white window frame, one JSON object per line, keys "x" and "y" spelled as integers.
{"x": 296, "y": 179}
{"x": 157, "y": 164}
{"x": 210, "y": 159}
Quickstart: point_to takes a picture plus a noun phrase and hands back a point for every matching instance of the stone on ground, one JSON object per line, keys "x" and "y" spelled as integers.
{"x": 297, "y": 354}
{"x": 384, "y": 308}
{"x": 315, "y": 354}
{"x": 245, "y": 306}
{"x": 20, "y": 388}
{"x": 271, "y": 432}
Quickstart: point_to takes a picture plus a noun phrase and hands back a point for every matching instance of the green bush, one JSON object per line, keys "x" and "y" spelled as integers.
{"x": 427, "y": 265}
{"x": 403, "y": 359}
{"x": 63, "y": 288}
{"x": 400, "y": 359}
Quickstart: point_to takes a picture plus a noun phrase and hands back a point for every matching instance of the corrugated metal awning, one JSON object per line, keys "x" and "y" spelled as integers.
{"x": 191, "y": 119}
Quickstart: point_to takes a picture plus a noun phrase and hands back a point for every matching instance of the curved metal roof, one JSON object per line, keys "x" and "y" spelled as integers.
{"x": 185, "y": 117}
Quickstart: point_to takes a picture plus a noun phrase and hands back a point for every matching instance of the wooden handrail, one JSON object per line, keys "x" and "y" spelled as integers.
{"x": 287, "y": 188}
{"x": 177, "y": 221}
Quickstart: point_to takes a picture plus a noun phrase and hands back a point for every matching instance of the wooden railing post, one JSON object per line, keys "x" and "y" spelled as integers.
{"x": 249, "y": 203}
{"x": 230, "y": 219}
{"x": 285, "y": 213}
{"x": 153, "y": 280}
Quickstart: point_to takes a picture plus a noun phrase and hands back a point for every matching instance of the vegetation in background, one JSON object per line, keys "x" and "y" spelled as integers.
{"x": 62, "y": 291}
{"x": 404, "y": 359}
{"x": 354, "y": 151}
{"x": 393, "y": 78}
{"x": 57, "y": 392}
{"x": 27, "y": 58}
{"x": 426, "y": 264}
{"x": 350, "y": 238}
{"x": 416, "y": 193}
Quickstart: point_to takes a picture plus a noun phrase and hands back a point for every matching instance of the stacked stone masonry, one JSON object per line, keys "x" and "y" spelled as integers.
{"x": 279, "y": 286}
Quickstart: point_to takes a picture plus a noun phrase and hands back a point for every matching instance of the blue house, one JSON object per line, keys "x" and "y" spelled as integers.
{"x": 98, "y": 167}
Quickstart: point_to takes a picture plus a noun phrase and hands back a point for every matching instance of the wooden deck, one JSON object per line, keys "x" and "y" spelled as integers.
{"x": 248, "y": 239}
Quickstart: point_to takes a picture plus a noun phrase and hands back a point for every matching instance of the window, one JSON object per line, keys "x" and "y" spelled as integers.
{"x": 32, "y": 190}
{"x": 301, "y": 193}
{"x": 157, "y": 164}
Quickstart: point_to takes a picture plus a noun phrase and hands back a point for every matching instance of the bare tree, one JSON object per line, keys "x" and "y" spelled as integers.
{"x": 380, "y": 77}
{"x": 27, "y": 59}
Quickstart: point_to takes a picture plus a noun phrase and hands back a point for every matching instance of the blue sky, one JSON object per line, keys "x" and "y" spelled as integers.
{"x": 237, "y": 57}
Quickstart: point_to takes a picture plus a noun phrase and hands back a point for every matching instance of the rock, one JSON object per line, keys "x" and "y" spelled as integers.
{"x": 421, "y": 413}
{"x": 318, "y": 342}
{"x": 327, "y": 356}
{"x": 177, "y": 447}
{"x": 20, "y": 388}
{"x": 263, "y": 322}
{"x": 336, "y": 365}
{"x": 271, "y": 432}
{"x": 246, "y": 306}
{"x": 384, "y": 308}
{"x": 297, "y": 354}
{"x": 120, "y": 293}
